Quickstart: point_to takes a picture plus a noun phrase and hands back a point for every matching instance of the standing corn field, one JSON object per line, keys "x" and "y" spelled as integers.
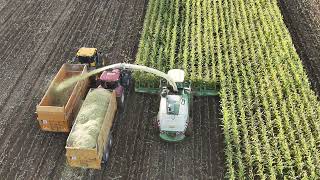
{"x": 271, "y": 117}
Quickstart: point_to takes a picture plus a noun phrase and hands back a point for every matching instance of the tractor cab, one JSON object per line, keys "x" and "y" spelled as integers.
{"x": 111, "y": 80}
{"x": 173, "y": 116}
{"x": 117, "y": 80}
{"x": 89, "y": 56}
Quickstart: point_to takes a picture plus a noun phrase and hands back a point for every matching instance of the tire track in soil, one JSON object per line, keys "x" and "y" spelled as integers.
{"x": 112, "y": 49}
{"x": 133, "y": 136}
{"x": 196, "y": 125}
{"x": 217, "y": 157}
{"x": 154, "y": 154}
{"x": 187, "y": 149}
{"x": 179, "y": 156}
{"x": 208, "y": 140}
{"x": 86, "y": 27}
{"x": 120, "y": 148}
{"x": 10, "y": 15}
{"x": 145, "y": 143}
{"x": 8, "y": 68}
{"x": 139, "y": 147}
{"x": 161, "y": 160}
{"x": 115, "y": 164}
{"x": 14, "y": 29}
{"x": 51, "y": 156}
{"x": 104, "y": 36}
{"x": 204, "y": 129}
{"x": 6, "y": 10}
{"x": 170, "y": 161}
{"x": 149, "y": 139}
{"x": 3, "y": 4}
{"x": 152, "y": 137}
{"x": 108, "y": 34}
{"x": 124, "y": 48}
{"x": 87, "y": 39}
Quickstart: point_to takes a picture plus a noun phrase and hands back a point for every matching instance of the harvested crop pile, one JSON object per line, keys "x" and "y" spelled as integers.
{"x": 271, "y": 117}
{"x": 88, "y": 123}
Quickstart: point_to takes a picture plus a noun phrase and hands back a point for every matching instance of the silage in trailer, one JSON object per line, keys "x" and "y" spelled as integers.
{"x": 88, "y": 122}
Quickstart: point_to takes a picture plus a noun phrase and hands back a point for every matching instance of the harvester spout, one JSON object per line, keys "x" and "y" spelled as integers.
{"x": 73, "y": 80}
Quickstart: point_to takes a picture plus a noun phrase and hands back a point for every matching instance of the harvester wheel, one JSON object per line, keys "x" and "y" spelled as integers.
{"x": 155, "y": 124}
{"x": 104, "y": 60}
{"x": 189, "y": 130}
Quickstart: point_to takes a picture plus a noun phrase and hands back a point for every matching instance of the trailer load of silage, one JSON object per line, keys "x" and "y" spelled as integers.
{"x": 89, "y": 120}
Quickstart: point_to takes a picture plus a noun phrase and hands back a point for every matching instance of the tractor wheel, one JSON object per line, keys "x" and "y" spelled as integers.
{"x": 104, "y": 60}
{"x": 189, "y": 130}
{"x": 127, "y": 84}
{"x": 120, "y": 101}
{"x": 73, "y": 60}
{"x": 125, "y": 79}
{"x": 99, "y": 60}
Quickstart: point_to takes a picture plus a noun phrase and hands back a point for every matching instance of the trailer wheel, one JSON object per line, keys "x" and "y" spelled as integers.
{"x": 120, "y": 100}
{"x": 106, "y": 154}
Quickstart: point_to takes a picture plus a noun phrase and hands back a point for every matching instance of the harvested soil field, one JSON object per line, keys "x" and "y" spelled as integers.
{"x": 303, "y": 21}
{"x": 37, "y": 37}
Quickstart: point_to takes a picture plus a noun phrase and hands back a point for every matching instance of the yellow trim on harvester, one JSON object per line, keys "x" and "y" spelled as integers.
{"x": 86, "y": 52}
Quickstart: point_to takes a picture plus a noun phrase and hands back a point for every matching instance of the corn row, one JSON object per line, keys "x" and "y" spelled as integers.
{"x": 271, "y": 117}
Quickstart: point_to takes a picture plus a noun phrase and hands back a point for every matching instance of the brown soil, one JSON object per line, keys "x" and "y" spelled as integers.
{"x": 303, "y": 21}
{"x": 37, "y": 37}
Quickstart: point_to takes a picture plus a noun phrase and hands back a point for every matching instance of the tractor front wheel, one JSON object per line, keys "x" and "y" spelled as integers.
{"x": 189, "y": 130}
{"x": 155, "y": 124}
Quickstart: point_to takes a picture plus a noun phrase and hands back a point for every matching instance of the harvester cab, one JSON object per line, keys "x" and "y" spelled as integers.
{"x": 173, "y": 116}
